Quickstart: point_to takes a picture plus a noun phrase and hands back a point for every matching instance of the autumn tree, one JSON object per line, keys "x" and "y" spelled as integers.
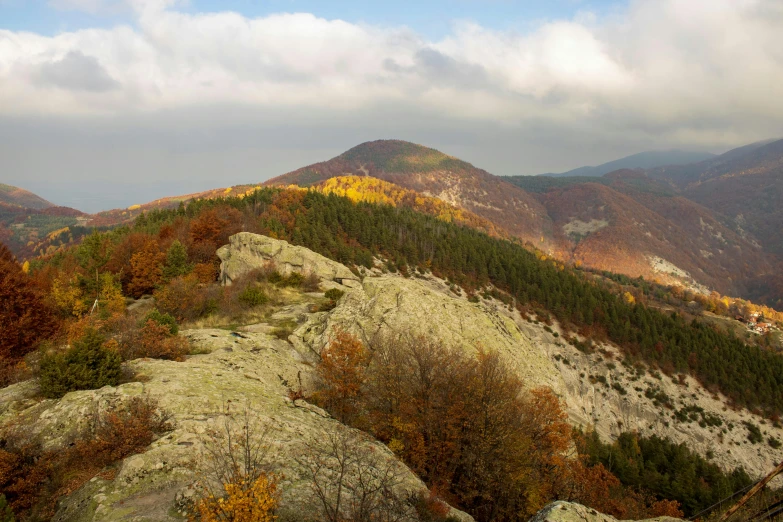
{"x": 25, "y": 317}
{"x": 146, "y": 269}
{"x": 352, "y": 479}
{"x": 342, "y": 370}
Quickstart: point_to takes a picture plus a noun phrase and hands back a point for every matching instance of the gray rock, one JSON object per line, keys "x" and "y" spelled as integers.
{"x": 246, "y": 252}
{"x": 570, "y": 512}
{"x": 156, "y": 484}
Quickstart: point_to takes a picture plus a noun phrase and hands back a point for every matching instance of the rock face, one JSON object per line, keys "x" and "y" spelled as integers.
{"x": 247, "y": 251}
{"x": 255, "y": 369}
{"x": 584, "y": 381}
{"x": 393, "y": 303}
{"x": 570, "y": 512}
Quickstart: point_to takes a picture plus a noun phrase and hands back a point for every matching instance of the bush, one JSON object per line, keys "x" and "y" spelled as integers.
{"x": 311, "y": 283}
{"x": 5, "y": 511}
{"x": 157, "y": 342}
{"x": 294, "y": 279}
{"x": 253, "y": 296}
{"x": 334, "y": 294}
{"x": 25, "y": 317}
{"x": 88, "y": 365}
{"x": 186, "y": 298}
{"x": 235, "y": 483}
{"x": 162, "y": 319}
{"x": 754, "y": 433}
{"x": 35, "y": 479}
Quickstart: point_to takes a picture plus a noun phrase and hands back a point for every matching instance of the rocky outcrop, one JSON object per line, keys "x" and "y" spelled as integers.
{"x": 570, "y": 512}
{"x": 246, "y": 252}
{"x": 598, "y": 390}
{"x": 416, "y": 306}
{"x": 251, "y": 370}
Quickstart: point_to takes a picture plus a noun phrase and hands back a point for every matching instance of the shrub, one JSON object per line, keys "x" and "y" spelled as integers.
{"x": 334, "y": 294}
{"x": 162, "y": 319}
{"x": 311, "y": 283}
{"x": 5, "y": 511}
{"x": 253, "y": 296}
{"x": 157, "y": 342}
{"x": 34, "y": 479}
{"x": 754, "y": 433}
{"x": 186, "y": 298}
{"x": 87, "y": 365}
{"x": 294, "y": 279}
{"x": 774, "y": 443}
{"x": 25, "y": 318}
{"x": 243, "y": 501}
{"x": 235, "y": 483}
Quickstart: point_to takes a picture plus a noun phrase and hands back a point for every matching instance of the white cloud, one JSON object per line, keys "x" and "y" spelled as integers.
{"x": 695, "y": 70}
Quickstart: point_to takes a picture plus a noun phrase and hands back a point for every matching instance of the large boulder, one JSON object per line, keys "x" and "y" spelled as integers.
{"x": 246, "y": 252}
{"x": 570, "y": 512}
{"x": 424, "y": 307}
{"x": 248, "y": 369}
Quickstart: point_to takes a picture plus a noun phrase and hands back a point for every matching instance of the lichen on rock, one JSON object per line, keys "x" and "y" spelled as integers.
{"x": 246, "y": 252}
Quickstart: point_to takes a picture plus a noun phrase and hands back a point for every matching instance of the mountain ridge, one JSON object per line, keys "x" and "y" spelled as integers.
{"x": 640, "y": 160}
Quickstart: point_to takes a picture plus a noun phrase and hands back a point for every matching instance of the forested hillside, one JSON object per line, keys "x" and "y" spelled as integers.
{"x": 171, "y": 254}
{"x": 353, "y": 233}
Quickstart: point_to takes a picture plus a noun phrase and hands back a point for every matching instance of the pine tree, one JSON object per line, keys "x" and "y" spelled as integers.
{"x": 176, "y": 263}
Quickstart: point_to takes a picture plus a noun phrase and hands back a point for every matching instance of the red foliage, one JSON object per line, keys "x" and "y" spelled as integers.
{"x": 25, "y": 317}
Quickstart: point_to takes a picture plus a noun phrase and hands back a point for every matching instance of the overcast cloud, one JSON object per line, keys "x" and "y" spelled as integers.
{"x": 178, "y": 102}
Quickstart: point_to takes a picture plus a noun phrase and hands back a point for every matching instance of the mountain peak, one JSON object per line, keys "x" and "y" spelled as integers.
{"x": 402, "y": 156}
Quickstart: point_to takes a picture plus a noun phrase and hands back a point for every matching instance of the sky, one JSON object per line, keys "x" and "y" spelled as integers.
{"x": 109, "y": 103}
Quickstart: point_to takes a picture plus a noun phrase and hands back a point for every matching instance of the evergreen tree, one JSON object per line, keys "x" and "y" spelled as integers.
{"x": 176, "y": 263}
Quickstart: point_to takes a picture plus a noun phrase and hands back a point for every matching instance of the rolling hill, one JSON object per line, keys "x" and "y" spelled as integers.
{"x": 625, "y": 222}
{"x": 17, "y": 197}
{"x": 710, "y": 225}
{"x": 432, "y": 173}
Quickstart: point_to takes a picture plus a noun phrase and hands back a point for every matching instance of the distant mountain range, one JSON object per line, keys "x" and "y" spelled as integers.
{"x": 642, "y": 160}
{"x": 712, "y": 223}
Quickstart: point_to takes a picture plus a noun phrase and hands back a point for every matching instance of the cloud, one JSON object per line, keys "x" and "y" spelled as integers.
{"x": 76, "y": 72}
{"x": 663, "y": 63}
{"x": 660, "y": 73}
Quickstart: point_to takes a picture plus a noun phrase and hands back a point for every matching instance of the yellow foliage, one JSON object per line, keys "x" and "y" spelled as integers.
{"x": 373, "y": 190}
{"x": 111, "y": 294}
{"x": 68, "y": 297}
{"x": 26, "y": 267}
{"x": 134, "y": 207}
{"x": 243, "y": 502}
{"x": 229, "y": 189}
{"x": 629, "y": 298}
{"x": 57, "y": 232}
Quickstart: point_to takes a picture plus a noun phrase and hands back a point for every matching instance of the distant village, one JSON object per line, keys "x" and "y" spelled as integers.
{"x": 756, "y": 323}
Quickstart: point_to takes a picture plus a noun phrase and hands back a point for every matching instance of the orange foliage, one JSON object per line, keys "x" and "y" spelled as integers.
{"x": 25, "y": 317}
{"x": 243, "y": 501}
{"x": 34, "y": 480}
{"x": 342, "y": 369}
{"x": 146, "y": 269}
